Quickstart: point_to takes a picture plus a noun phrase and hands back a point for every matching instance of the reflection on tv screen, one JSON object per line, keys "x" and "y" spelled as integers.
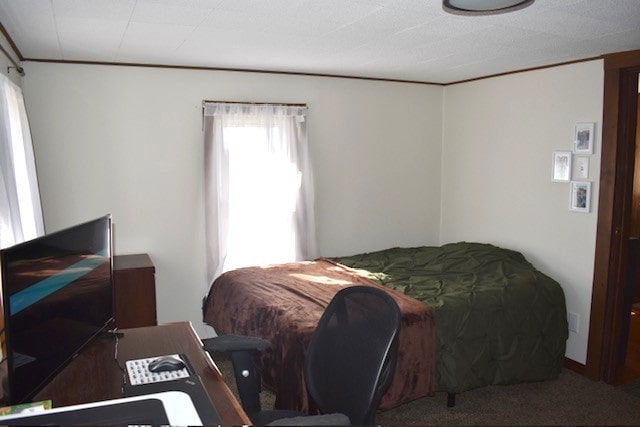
{"x": 58, "y": 295}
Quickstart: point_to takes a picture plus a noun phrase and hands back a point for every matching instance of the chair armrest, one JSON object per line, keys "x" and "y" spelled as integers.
{"x": 241, "y": 349}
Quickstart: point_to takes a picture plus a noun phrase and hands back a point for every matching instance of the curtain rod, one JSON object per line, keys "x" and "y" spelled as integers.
{"x": 253, "y": 103}
{"x": 19, "y": 69}
{"x": 205, "y": 101}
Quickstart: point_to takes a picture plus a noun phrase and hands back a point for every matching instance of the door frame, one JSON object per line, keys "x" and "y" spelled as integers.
{"x": 616, "y": 184}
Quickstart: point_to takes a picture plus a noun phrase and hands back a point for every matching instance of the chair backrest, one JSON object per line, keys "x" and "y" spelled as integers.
{"x": 352, "y": 354}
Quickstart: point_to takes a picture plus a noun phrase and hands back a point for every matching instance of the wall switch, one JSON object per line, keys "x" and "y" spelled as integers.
{"x": 574, "y": 320}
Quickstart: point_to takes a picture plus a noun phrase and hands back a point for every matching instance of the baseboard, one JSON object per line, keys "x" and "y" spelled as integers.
{"x": 574, "y": 366}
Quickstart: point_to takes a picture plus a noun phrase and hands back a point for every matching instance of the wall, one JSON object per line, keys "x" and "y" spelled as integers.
{"x": 6, "y": 66}
{"x": 128, "y": 141}
{"x": 498, "y": 138}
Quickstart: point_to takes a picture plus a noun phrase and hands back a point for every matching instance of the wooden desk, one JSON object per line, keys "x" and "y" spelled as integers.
{"x": 96, "y": 375}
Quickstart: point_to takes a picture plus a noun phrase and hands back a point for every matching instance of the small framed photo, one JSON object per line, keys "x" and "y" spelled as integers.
{"x": 581, "y": 167}
{"x": 583, "y": 137}
{"x": 561, "y": 166}
{"x": 580, "y": 196}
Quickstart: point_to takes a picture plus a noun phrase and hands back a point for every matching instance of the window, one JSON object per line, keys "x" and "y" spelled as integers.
{"x": 20, "y": 210}
{"x": 259, "y": 187}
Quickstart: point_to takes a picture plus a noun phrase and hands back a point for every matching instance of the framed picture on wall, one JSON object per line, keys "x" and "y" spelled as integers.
{"x": 561, "y": 166}
{"x": 583, "y": 138}
{"x": 582, "y": 167}
{"x": 580, "y": 196}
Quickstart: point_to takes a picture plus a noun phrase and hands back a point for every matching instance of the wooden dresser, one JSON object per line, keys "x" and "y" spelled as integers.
{"x": 134, "y": 293}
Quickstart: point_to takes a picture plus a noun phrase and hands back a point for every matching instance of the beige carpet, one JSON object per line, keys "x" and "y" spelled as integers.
{"x": 570, "y": 400}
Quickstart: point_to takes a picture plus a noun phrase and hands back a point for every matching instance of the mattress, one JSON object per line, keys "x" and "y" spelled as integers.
{"x": 498, "y": 319}
{"x": 474, "y": 314}
{"x": 283, "y": 304}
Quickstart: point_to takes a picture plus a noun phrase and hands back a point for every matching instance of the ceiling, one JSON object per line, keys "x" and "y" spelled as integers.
{"x": 412, "y": 40}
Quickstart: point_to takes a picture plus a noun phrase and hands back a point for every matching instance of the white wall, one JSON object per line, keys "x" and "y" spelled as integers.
{"x": 499, "y": 136}
{"x": 6, "y": 66}
{"x": 128, "y": 141}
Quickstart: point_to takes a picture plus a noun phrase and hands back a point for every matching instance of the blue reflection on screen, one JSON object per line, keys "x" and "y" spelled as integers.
{"x": 34, "y": 293}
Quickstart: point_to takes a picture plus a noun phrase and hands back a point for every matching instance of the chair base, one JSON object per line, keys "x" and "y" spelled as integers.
{"x": 263, "y": 418}
{"x": 314, "y": 420}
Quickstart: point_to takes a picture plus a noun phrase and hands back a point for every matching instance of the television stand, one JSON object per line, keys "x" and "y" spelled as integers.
{"x": 95, "y": 374}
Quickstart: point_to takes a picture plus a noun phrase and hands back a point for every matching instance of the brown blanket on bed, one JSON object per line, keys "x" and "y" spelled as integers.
{"x": 283, "y": 303}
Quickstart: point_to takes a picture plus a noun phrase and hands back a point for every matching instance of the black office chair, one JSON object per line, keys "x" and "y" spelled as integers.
{"x": 349, "y": 363}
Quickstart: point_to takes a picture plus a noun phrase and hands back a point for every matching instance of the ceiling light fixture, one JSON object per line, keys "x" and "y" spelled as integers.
{"x": 483, "y": 7}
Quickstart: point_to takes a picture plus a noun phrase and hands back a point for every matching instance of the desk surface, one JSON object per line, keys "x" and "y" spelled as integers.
{"x": 96, "y": 374}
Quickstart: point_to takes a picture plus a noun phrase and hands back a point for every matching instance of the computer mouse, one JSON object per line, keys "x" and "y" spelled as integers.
{"x": 166, "y": 363}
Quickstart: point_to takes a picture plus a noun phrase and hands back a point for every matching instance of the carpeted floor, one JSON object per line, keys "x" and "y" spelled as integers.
{"x": 570, "y": 400}
{"x": 632, "y": 388}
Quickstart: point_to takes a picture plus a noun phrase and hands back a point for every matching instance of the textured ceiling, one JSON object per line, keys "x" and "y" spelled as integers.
{"x": 412, "y": 40}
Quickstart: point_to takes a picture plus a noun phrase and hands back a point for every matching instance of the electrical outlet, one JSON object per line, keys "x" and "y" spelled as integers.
{"x": 574, "y": 320}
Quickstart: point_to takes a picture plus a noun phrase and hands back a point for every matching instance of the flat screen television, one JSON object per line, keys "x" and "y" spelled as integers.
{"x": 57, "y": 297}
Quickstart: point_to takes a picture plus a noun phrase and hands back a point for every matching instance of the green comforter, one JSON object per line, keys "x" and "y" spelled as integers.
{"x": 498, "y": 319}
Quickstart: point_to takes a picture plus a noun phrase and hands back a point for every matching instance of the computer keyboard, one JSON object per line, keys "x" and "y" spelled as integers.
{"x": 138, "y": 371}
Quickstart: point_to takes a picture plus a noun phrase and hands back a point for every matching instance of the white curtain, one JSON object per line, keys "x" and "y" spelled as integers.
{"x": 258, "y": 186}
{"x": 20, "y": 209}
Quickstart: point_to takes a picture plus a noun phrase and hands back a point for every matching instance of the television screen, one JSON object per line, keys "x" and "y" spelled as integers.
{"x": 57, "y": 296}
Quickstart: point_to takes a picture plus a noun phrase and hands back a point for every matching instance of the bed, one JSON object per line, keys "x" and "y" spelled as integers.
{"x": 473, "y": 315}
